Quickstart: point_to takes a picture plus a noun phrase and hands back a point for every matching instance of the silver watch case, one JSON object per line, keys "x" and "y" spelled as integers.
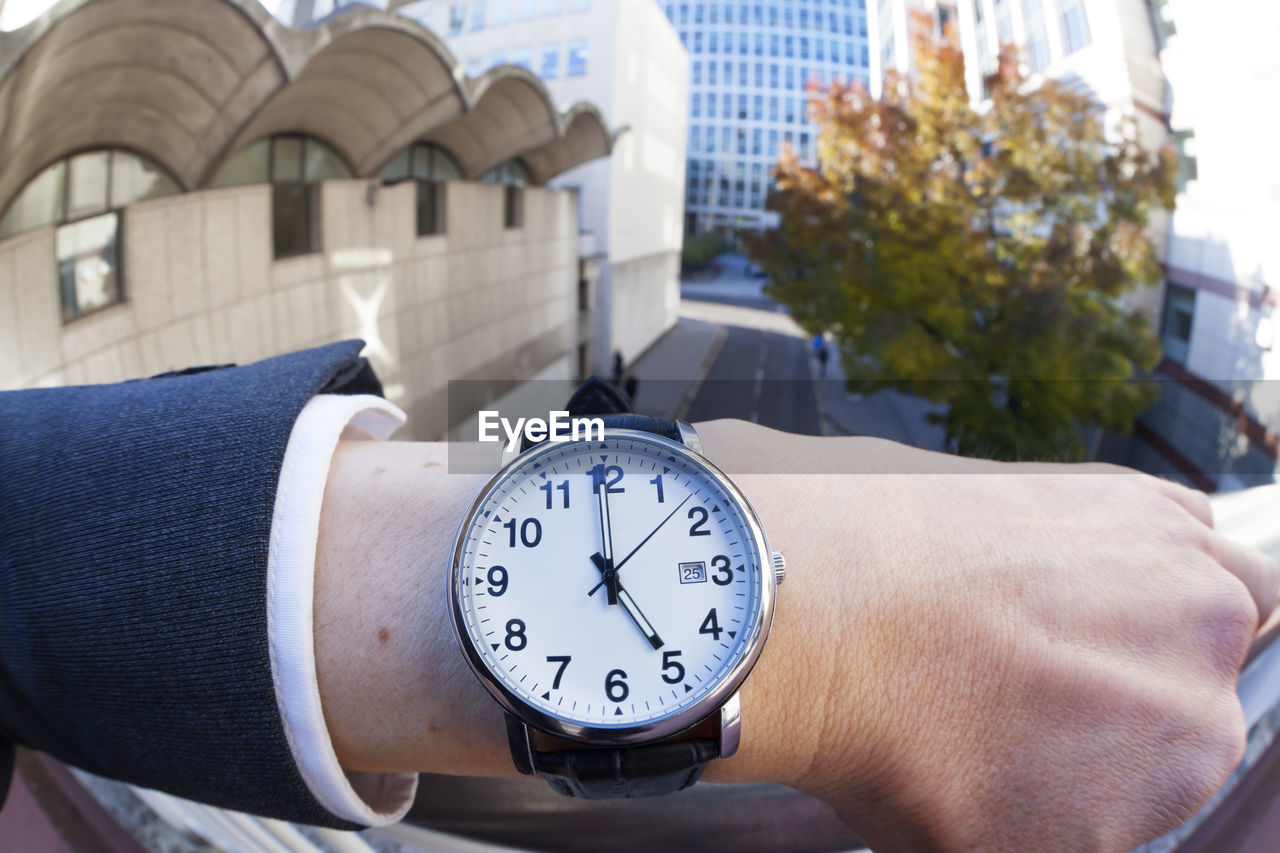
{"x": 722, "y": 698}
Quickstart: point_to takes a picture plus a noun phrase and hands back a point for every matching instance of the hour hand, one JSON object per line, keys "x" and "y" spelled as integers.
{"x": 610, "y": 580}
{"x": 618, "y": 594}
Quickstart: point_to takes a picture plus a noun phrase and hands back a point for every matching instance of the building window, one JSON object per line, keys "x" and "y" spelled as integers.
{"x": 1075, "y": 26}
{"x": 1161, "y": 22}
{"x": 515, "y": 175}
{"x": 695, "y": 105}
{"x": 549, "y": 65}
{"x": 457, "y": 17}
{"x": 292, "y": 165}
{"x": 513, "y": 207}
{"x": 1037, "y": 36}
{"x": 697, "y": 73}
{"x": 82, "y": 195}
{"x": 477, "y": 16}
{"x": 1004, "y": 22}
{"x": 523, "y": 58}
{"x": 1179, "y": 313}
{"x": 1188, "y": 170}
{"x": 430, "y": 166}
{"x": 577, "y": 61}
{"x": 295, "y": 224}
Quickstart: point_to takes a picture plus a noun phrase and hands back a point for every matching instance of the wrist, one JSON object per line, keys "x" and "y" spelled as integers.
{"x": 396, "y": 694}
{"x": 806, "y": 720}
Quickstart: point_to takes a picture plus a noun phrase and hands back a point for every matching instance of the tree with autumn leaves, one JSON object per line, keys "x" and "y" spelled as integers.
{"x": 979, "y": 258}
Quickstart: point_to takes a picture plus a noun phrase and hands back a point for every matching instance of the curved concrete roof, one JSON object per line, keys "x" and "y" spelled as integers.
{"x": 187, "y": 84}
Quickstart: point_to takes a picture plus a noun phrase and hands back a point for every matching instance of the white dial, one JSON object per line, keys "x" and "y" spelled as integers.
{"x": 611, "y": 584}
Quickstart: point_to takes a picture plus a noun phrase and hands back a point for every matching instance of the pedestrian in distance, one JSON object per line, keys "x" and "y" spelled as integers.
{"x": 618, "y": 367}
{"x": 821, "y": 353}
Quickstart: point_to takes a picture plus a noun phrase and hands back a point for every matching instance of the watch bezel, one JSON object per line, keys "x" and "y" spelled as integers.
{"x": 643, "y": 732}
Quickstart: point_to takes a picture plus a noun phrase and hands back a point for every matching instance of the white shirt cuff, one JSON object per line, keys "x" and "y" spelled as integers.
{"x": 371, "y": 799}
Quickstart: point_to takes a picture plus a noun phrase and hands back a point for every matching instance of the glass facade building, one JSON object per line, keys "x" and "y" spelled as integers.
{"x": 749, "y": 65}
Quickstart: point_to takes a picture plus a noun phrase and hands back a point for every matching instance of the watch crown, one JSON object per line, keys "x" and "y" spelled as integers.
{"x": 779, "y": 567}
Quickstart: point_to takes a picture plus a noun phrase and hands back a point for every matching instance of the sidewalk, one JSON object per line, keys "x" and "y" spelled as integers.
{"x": 673, "y": 367}
{"x": 884, "y": 414}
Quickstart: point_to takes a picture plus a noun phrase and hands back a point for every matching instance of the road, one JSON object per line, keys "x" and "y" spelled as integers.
{"x": 759, "y": 376}
{"x": 761, "y": 372}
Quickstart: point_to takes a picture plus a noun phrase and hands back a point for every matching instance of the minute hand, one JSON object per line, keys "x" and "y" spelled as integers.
{"x": 618, "y": 566}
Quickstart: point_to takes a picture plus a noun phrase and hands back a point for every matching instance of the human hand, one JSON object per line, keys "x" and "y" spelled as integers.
{"x": 1013, "y": 657}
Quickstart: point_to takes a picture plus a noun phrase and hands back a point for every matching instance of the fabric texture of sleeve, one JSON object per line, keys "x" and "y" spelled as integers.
{"x": 373, "y": 799}
{"x": 135, "y": 524}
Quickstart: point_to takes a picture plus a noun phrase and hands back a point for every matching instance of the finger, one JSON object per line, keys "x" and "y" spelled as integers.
{"x": 1259, "y": 573}
{"x": 1194, "y": 502}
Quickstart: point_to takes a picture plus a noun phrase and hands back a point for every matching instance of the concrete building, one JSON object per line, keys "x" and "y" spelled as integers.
{"x": 750, "y": 63}
{"x": 1194, "y": 75}
{"x": 623, "y": 57}
{"x": 194, "y": 183}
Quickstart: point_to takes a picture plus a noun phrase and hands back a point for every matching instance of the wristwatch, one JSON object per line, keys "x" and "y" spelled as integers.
{"x": 612, "y": 594}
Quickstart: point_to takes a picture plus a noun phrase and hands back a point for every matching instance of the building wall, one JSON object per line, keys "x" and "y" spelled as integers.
{"x": 636, "y": 72}
{"x": 201, "y": 286}
{"x": 727, "y": 174}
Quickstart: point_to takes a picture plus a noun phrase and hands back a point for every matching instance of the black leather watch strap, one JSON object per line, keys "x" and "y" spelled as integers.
{"x": 605, "y": 773}
{"x": 637, "y": 771}
{"x": 597, "y": 398}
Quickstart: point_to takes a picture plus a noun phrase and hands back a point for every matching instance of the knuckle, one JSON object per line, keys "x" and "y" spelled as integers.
{"x": 1183, "y": 531}
{"x": 1204, "y": 507}
{"x": 1231, "y": 617}
{"x": 1224, "y": 742}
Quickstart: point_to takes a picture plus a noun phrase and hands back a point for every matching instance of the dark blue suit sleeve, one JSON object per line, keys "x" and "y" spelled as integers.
{"x": 134, "y": 523}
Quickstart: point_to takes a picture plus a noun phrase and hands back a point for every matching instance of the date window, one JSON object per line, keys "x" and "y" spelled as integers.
{"x": 693, "y": 573}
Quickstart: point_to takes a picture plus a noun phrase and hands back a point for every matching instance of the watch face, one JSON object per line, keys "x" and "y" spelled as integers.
{"x": 611, "y": 590}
